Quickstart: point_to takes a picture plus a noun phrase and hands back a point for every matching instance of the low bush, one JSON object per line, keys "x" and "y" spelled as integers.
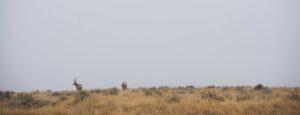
{"x": 173, "y": 98}
{"x": 258, "y": 87}
{"x": 112, "y": 91}
{"x": 56, "y": 94}
{"x": 240, "y": 88}
{"x": 210, "y": 87}
{"x": 6, "y": 95}
{"x": 225, "y": 88}
{"x": 80, "y": 96}
{"x": 190, "y": 87}
{"x": 1, "y": 93}
{"x": 163, "y": 87}
{"x": 242, "y": 96}
{"x": 211, "y": 96}
{"x": 294, "y": 95}
{"x": 97, "y": 91}
{"x": 152, "y": 88}
{"x": 2, "y": 96}
{"x": 106, "y": 92}
{"x": 150, "y": 92}
{"x": 70, "y": 93}
{"x": 27, "y": 101}
{"x": 62, "y": 98}
{"x": 267, "y": 90}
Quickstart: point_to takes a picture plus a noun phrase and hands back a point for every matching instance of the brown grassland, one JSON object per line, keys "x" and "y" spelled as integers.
{"x": 155, "y": 101}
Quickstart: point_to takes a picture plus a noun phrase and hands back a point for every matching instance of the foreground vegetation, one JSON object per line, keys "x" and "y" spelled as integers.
{"x": 187, "y": 100}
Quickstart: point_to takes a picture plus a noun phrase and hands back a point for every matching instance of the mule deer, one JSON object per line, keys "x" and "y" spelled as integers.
{"x": 77, "y": 85}
{"x": 124, "y": 85}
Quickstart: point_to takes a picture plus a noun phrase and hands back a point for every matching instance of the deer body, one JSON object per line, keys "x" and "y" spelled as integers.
{"x": 77, "y": 85}
{"x": 124, "y": 85}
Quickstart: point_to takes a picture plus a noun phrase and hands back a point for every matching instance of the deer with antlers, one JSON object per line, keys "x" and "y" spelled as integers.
{"x": 77, "y": 85}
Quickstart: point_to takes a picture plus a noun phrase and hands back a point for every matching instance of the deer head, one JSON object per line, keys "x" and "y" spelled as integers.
{"x": 75, "y": 81}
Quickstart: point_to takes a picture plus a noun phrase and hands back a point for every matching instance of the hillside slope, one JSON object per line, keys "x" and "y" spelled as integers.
{"x": 155, "y": 101}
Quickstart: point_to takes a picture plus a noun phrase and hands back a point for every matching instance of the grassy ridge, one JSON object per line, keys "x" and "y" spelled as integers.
{"x": 163, "y": 100}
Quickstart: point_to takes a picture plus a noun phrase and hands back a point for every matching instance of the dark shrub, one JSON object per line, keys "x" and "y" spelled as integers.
{"x": 163, "y": 87}
{"x": 212, "y": 95}
{"x": 143, "y": 89}
{"x": 210, "y": 87}
{"x": 180, "y": 87}
{"x": 225, "y": 88}
{"x": 110, "y": 91}
{"x": 6, "y": 95}
{"x": 1, "y": 96}
{"x": 294, "y": 95}
{"x": 55, "y": 94}
{"x": 152, "y": 91}
{"x": 258, "y": 87}
{"x": 152, "y": 88}
{"x": 148, "y": 92}
{"x": 190, "y": 87}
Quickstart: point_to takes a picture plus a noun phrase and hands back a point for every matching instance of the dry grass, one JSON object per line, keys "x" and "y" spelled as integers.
{"x": 155, "y": 101}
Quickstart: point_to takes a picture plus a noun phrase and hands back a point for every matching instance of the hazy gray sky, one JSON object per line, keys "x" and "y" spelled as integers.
{"x": 45, "y": 44}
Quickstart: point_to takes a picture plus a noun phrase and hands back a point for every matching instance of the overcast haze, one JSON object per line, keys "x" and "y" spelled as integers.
{"x": 46, "y": 44}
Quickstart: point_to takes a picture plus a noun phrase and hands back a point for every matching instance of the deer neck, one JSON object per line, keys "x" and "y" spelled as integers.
{"x": 76, "y": 84}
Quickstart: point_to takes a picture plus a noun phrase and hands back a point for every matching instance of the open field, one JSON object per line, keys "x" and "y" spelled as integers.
{"x": 156, "y": 101}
